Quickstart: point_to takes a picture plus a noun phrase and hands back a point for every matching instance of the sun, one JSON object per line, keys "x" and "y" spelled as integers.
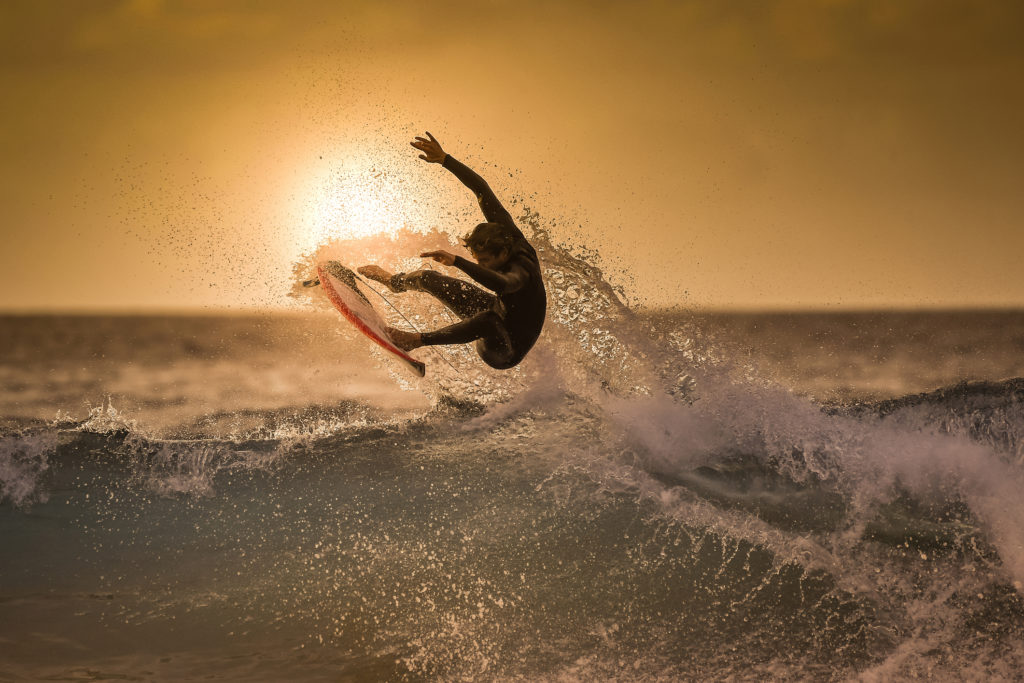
{"x": 354, "y": 198}
{"x": 355, "y": 204}
{"x": 373, "y": 195}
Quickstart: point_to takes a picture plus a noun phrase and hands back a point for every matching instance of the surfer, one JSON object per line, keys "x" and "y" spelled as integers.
{"x": 505, "y": 325}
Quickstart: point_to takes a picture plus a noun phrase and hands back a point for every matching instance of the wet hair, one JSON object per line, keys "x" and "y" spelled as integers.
{"x": 489, "y": 238}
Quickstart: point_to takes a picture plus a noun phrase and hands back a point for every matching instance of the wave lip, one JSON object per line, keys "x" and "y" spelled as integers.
{"x": 988, "y": 412}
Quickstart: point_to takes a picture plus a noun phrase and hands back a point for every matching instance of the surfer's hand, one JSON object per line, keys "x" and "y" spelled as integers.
{"x": 432, "y": 152}
{"x": 442, "y": 257}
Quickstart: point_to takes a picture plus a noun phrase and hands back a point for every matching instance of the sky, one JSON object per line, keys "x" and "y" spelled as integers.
{"x": 778, "y": 154}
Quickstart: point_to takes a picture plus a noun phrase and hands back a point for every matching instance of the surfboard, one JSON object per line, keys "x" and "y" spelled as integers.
{"x": 341, "y": 287}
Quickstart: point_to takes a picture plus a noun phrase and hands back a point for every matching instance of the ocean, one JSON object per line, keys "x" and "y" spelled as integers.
{"x": 652, "y": 495}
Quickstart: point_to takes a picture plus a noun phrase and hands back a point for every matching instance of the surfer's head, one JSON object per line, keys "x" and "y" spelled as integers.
{"x": 490, "y": 243}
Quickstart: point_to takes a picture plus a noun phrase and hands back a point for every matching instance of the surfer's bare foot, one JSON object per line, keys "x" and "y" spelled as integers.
{"x": 407, "y": 341}
{"x": 380, "y": 275}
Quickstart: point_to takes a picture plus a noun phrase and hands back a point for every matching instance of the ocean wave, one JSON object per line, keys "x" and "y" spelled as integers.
{"x": 120, "y": 452}
{"x": 592, "y": 524}
{"x": 622, "y": 505}
{"x": 987, "y": 412}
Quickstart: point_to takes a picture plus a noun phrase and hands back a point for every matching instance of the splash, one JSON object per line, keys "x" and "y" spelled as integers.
{"x": 682, "y": 412}
{"x": 24, "y": 461}
{"x": 591, "y": 342}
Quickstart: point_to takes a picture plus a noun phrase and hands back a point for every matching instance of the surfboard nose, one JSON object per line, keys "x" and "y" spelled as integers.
{"x": 345, "y": 275}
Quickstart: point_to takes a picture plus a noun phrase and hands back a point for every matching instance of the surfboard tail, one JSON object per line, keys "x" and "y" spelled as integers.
{"x": 418, "y": 367}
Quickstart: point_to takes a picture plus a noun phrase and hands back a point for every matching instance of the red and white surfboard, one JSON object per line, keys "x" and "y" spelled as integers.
{"x": 339, "y": 283}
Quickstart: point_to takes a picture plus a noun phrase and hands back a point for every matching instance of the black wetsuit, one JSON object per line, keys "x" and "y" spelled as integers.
{"x": 505, "y": 326}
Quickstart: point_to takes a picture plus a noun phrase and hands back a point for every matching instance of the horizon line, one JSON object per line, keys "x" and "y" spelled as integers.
{"x": 748, "y": 309}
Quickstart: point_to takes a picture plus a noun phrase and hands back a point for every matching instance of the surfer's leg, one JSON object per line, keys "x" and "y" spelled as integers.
{"x": 464, "y": 300}
{"x": 487, "y": 327}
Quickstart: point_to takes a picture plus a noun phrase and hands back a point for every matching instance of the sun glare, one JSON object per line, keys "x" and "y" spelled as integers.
{"x": 353, "y": 206}
{"x": 352, "y": 203}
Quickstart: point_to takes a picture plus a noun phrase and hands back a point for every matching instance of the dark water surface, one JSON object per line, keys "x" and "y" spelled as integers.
{"x": 654, "y": 496}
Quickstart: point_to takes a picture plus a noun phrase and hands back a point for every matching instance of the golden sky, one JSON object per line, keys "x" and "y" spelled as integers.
{"x": 841, "y": 154}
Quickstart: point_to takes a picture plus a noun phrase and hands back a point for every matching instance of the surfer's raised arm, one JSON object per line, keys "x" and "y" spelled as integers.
{"x": 492, "y": 209}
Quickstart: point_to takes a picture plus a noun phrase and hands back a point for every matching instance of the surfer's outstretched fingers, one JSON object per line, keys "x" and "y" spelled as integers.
{"x": 443, "y": 257}
{"x": 432, "y": 151}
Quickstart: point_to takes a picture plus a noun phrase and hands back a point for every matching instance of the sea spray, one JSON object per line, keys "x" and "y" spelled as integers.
{"x": 24, "y": 459}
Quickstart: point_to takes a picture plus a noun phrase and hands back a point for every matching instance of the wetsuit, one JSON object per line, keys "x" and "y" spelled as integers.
{"x": 505, "y": 324}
